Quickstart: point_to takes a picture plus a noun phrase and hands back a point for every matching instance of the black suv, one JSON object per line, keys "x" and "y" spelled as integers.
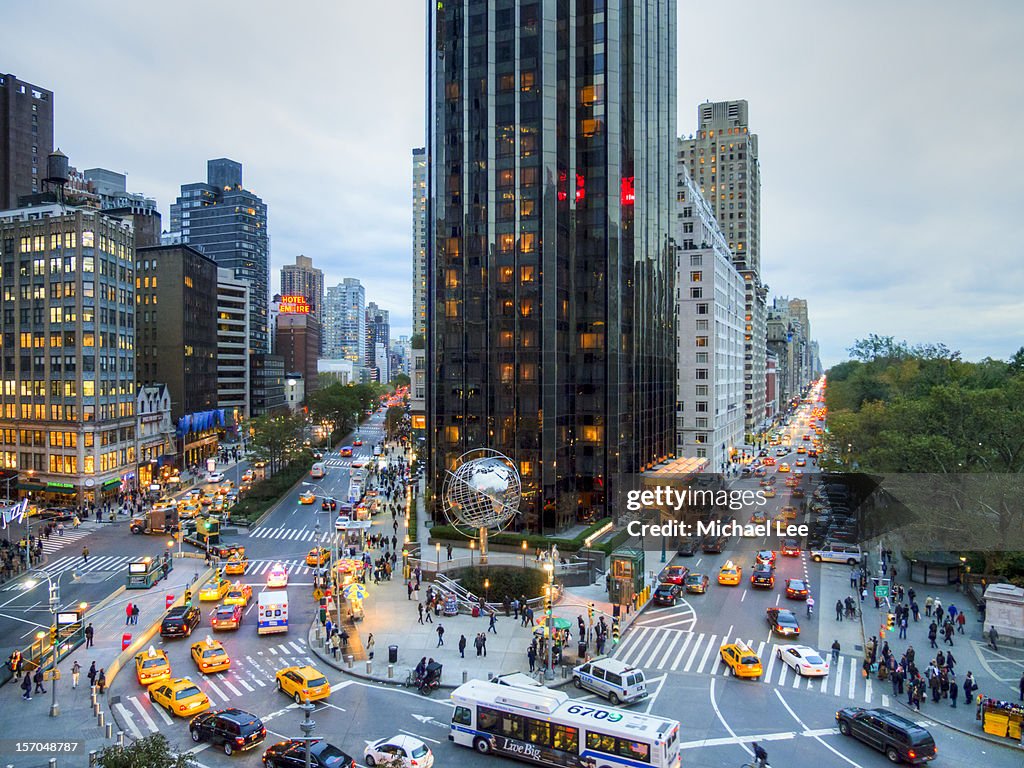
{"x": 231, "y": 729}
{"x": 180, "y": 621}
{"x": 896, "y": 736}
{"x": 292, "y": 754}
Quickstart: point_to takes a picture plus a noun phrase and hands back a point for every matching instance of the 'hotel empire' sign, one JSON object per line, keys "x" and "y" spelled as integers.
{"x": 294, "y": 305}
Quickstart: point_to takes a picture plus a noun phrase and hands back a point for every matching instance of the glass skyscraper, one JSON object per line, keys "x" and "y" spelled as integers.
{"x": 551, "y": 185}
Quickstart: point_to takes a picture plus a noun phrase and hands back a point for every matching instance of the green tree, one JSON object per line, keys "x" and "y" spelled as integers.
{"x": 276, "y": 439}
{"x": 153, "y": 751}
{"x": 393, "y": 420}
{"x": 401, "y": 380}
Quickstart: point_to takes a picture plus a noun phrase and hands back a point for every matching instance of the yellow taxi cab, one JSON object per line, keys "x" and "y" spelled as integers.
{"x": 770, "y": 492}
{"x": 235, "y": 566}
{"x": 792, "y": 482}
{"x": 307, "y": 498}
{"x": 759, "y": 516}
{"x": 801, "y": 449}
{"x": 801, "y": 462}
{"x": 210, "y": 656}
{"x": 303, "y": 683}
{"x": 783, "y": 467}
{"x": 152, "y": 666}
{"x": 788, "y": 512}
{"x": 247, "y": 476}
{"x": 215, "y": 590}
{"x": 188, "y": 509}
{"x": 740, "y": 659}
{"x": 730, "y": 573}
{"x": 238, "y": 594}
{"x": 180, "y": 697}
{"x": 318, "y": 556}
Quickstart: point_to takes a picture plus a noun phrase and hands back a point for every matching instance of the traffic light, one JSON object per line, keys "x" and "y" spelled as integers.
{"x": 547, "y": 601}
{"x": 590, "y": 612}
{"x": 890, "y": 621}
{"x": 615, "y": 631}
{"x": 53, "y": 635}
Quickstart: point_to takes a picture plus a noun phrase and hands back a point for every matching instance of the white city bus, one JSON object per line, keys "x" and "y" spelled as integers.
{"x": 548, "y": 727}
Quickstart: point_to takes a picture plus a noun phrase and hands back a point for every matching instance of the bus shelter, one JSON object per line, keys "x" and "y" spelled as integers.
{"x": 144, "y": 573}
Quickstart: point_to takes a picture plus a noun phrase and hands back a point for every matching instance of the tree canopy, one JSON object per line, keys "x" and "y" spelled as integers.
{"x": 958, "y": 426}
{"x": 153, "y": 751}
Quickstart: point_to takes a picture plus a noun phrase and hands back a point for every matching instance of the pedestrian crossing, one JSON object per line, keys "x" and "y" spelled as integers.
{"x": 680, "y": 617}
{"x": 248, "y": 674}
{"x": 57, "y": 542}
{"x": 286, "y": 534}
{"x": 673, "y": 650}
{"x": 115, "y": 563}
{"x": 332, "y": 462}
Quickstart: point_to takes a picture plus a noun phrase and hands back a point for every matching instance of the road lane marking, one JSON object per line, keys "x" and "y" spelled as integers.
{"x": 297, "y": 647}
{"x": 654, "y": 653}
{"x": 704, "y": 658}
{"x": 818, "y": 739}
{"x": 129, "y": 720}
{"x": 853, "y": 681}
{"x": 721, "y": 719}
{"x": 668, "y": 652}
{"x": 143, "y": 713}
{"x": 418, "y": 736}
{"x": 686, "y": 642}
{"x": 215, "y": 689}
{"x": 227, "y": 683}
{"x": 839, "y": 675}
{"x": 768, "y": 670}
{"x": 245, "y": 685}
{"x": 867, "y": 690}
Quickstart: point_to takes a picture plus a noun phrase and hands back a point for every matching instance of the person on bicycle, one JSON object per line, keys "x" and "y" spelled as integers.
{"x": 760, "y": 756}
{"x": 810, "y": 605}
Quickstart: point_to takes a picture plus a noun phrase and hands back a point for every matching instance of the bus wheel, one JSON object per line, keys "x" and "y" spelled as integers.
{"x": 483, "y": 746}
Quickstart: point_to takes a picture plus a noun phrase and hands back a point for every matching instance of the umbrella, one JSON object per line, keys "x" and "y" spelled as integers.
{"x": 357, "y": 591}
{"x": 557, "y": 622}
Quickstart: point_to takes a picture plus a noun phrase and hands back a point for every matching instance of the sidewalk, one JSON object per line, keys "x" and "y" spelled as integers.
{"x": 997, "y": 673}
{"x": 76, "y": 721}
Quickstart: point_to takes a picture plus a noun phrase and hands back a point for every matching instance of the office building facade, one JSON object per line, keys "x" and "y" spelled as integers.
{"x": 710, "y": 299}
{"x": 67, "y": 401}
{"x": 298, "y": 344}
{"x": 233, "y": 383}
{"x": 419, "y": 241}
{"x": 551, "y": 324}
{"x": 26, "y": 138}
{"x": 378, "y": 333}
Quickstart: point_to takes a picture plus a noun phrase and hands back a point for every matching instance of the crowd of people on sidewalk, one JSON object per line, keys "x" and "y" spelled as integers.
{"x": 34, "y": 676}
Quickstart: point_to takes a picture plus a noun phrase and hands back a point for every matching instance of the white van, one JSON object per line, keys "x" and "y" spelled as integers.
{"x": 319, "y": 470}
{"x": 273, "y": 612}
{"x": 617, "y": 682}
{"x": 837, "y": 553}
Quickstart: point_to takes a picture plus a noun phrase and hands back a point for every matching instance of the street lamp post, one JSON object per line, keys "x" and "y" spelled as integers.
{"x": 307, "y": 726}
{"x": 549, "y": 670}
{"x": 437, "y": 550}
{"x": 472, "y": 550}
{"x": 524, "y": 553}
{"x": 54, "y": 603}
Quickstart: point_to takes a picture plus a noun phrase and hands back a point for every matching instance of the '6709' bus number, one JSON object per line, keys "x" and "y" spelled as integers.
{"x": 597, "y": 714}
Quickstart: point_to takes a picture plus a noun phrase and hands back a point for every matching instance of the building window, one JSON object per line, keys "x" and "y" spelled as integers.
{"x": 696, "y": 293}
{"x": 701, "y": 341}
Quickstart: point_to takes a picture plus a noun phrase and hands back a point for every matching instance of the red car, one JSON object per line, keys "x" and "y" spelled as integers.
{"x": 357, "y": 442}
{"x": 791, "y": 548}
{"x": 796, "y": 589}
{"x": 674, "y": 574}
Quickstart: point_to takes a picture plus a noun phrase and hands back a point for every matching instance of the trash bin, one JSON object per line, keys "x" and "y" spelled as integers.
{"x": 392, "y": 654}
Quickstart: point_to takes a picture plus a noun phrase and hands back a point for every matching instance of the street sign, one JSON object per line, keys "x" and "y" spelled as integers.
{"x": 881, "y": 590}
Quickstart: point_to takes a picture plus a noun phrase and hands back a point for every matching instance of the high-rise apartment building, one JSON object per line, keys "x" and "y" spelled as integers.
{"x": 344, "y": 325}
{"x": 26, "y": 138}
{"x": 303, "y": 279}
{"x": 551, "y": 267}
{"x": 378, "y": 332}
{"x": 722, "y": 160}
{"x": 116, "y": 200}
{"x": 67, "y": 401}
{"x": 229, "y": 224}
{"x": 233, "y": 383}
{"x": 298, "y": 344}
{"x": 419, "y": 241}
{"x": 710, "y": 298}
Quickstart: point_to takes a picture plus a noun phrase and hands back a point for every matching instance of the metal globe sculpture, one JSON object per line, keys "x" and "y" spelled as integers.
{"x": 483, "y": 492}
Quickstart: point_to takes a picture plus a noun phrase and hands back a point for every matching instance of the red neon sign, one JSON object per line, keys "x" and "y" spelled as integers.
{"x": 294, "y": 305}
{"x": 627, "y": 191}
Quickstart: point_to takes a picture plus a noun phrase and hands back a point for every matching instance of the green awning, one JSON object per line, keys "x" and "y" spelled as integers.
{"x": 111, "y": 482}
{"x": 61, "y": 487}
{"x": 31, "y": 487}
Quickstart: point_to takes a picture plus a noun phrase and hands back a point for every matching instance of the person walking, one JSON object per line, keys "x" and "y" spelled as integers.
{"x": 839, "y": 610}
{"x": 928, "y": 601}
{"x": 933, "y": 632}
{"x": 440, "y": 635}
{"x": 462, "y": 646}
{"x": 419, "y": 609}
{"x": 478, "y": 644}
{"x": 993, "y": 637}
{"x": 835, "y": 652}
{"x": 961, "y": 620}
{"x": 492, "y": 626}
{"x": 937, "y": 609}
{"x": 948, "y": 631}
{"x": 903, "y": 627}
{"x": 335, "y": 644}
{"x": 128, "y": 613}
{"x": 531, "y": 655}
{"x": 76, "y": 671}
{"x": 37, "y": 678}
{"x": 969, "y": 687}
{"x": 428, "y": 613}
{"x": 85, "y": 555}
{"x": 135, "y": 613}
{"x": 101, "y": 681}
{"x": 26, "y": 686}
{"x": 91, "y": 674}
{"x": 370, "y": 642}
{"x": 954, "y": 692}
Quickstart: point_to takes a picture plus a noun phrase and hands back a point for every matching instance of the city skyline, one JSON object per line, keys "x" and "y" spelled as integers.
{"x": 831, "y": 230}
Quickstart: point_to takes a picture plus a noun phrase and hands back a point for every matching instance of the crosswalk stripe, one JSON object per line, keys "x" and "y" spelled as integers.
{"x": 129, "y": 719}
{"x": 215, "y": 689}
{"x": 687, "y": 639}
{"x": 867, "y": 689}
{"x": 853, "y": 680}
{"x": 634, "y": 636}
{"x": 260, "y": 683}
{"x": 693, "y": 655}
{"x": 654, "y": 653}
{"x": 768, "y": 669}
{"x": 245, "y": 685}
{"x": 297, "y": 647}
{"x": 227, "y": 683}
{"x": 650, "y": 638}
{"x": 797, "y": 680}
{"x": 143, "y": 713}
{"x": 839, "y": 675}
{"x": 885, "y": 700}
{"x": 283, "y": 649}
{"x": 707, "y": 651}
{"x": 272, "y": 650}
{"x": 668, "y": 651}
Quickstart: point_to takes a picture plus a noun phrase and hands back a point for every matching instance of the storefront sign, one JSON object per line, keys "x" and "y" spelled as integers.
{"x": 294, "y": 305}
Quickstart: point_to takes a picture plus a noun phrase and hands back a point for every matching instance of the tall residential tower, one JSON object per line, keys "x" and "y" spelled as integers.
{"x": 419, "y": 241}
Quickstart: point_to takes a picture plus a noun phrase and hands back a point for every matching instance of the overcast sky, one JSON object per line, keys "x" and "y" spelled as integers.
{"x": 889, "y": 133}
